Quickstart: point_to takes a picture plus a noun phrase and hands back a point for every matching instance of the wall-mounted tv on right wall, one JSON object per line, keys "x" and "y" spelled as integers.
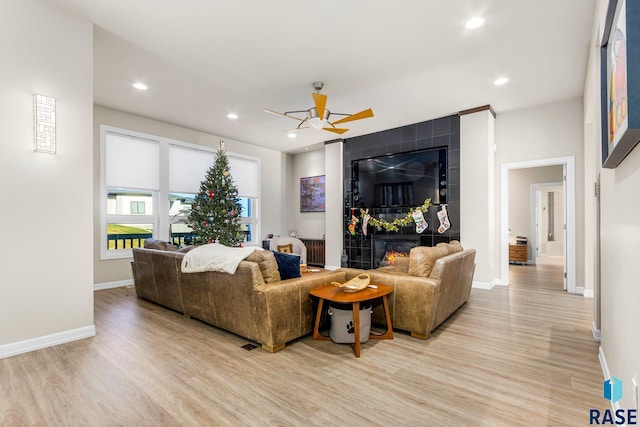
{"x": 400, "y": 180}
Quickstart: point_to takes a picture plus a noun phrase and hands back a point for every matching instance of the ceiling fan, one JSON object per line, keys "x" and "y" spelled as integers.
{"x": 319, "y": 116}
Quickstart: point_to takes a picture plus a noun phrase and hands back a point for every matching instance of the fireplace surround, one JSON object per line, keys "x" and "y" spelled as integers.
{"x": 366, "y": 251}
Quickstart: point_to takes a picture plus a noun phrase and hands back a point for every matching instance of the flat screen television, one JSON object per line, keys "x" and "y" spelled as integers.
{"x": 400, "y": 180}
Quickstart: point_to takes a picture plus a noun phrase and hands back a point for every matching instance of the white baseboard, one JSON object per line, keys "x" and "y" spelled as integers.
{"x": 331, "y": 267}
{"x": 588, "y": 293}
{"x": 606, "y": 373}
{"x": 595, "y": 331}
{"x": 482, "y": 285}
{"x": 579, "y": 290}
{"x": 13, "y": 349}
{"x": 111, "y": 285}
{"x": 603, "y": 363}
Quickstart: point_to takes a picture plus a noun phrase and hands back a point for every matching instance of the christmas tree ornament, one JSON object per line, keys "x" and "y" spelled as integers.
{"x": 443, "y": 217}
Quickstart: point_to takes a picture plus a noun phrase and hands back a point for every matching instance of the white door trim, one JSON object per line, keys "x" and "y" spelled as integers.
{"x": 570, "y": 261}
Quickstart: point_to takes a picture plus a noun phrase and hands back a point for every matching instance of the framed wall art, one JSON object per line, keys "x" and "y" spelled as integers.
{"x": 312, "y": 194}
{"x": 620, "y": 81}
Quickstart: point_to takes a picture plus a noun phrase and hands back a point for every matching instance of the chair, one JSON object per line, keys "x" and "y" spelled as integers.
{"x": 298, "y": 247}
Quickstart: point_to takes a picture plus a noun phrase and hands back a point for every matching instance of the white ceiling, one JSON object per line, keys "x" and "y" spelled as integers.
{"x": 410, "y": 60}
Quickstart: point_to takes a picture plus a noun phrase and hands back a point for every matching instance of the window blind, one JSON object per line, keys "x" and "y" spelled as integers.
{"x": 188, "y": 168}
{"x": 245, "y": 175}
{"x": 132, "y": 162}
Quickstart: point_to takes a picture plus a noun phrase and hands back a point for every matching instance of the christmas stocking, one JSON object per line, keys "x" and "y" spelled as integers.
{"x": 352, "y": 225}
{"x": 365, "y": 221}
{"x": 421, "y": 223}
{"x": 443, "y": 217}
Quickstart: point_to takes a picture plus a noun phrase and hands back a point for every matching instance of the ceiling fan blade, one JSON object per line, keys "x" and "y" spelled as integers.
{"x": 298, "y": 128}
{"x": 283, "y": 114}
{"x": 321, "y": 102}
{"x": 357, "y": 116}
{"x": 336, "y": 130}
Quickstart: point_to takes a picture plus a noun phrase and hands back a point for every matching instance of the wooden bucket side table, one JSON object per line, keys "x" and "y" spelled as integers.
{"x": 334, "y": 294}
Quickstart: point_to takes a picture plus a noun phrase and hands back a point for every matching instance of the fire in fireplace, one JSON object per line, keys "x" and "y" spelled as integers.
{"x": 386, "y": 251}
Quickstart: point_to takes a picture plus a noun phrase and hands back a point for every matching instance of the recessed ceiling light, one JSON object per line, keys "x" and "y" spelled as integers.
{"x": 500, "y": 81}
{"x": 140, "y": 86}
{"x": 474, "y": 22}
{"x": 232, "y": 115}
{"x": 292, "y": 135}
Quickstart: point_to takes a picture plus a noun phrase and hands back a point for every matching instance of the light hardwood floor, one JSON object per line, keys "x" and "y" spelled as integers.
{"x": 522, "y": 355}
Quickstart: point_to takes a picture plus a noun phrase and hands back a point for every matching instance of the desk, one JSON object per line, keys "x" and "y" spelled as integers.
{"x": 335, "y": 294}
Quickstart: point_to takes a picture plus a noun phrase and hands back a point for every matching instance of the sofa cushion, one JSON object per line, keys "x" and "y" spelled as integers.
{"x": 288, "y": 265}
{"x": 451, "y": 247}
{"x": 267, "y": 263}
{"x": 399, "y": 263}
{"x": 159, "y": 244}
{"x": 423, "y": 258}
{"x": 288, "y": 248}
{"x": 155, "y": 244}
{"x": 457, "y": 245}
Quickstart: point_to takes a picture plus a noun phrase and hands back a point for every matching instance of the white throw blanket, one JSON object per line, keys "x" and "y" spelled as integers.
{"x": 214, "y": 257}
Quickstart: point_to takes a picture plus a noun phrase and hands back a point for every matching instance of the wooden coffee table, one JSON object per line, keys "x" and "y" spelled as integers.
{"x": 335, "y": 294}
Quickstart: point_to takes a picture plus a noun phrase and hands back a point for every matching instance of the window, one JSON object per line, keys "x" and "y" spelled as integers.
{"x": 248, "y": 219}
{"x": 179, "y": 207}
{"x": 139, "y": 171}
{"x": 136, "y": 207}
{"x": 127, "y": 229}
{"x": 246, "y": 177}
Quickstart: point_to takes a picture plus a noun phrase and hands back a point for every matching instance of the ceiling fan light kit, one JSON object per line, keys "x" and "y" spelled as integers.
{"x": 319, "y": 115}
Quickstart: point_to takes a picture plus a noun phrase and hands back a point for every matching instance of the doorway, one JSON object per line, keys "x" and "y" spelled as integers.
{"x": 568, "y": 223}
{"x": 548, "y": 223}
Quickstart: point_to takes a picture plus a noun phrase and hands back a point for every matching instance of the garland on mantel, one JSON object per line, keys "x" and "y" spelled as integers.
{"x": 380, "y": 223}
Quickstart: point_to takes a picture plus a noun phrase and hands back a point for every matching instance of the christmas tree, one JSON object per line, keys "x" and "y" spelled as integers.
{"x": 215, "y": 211}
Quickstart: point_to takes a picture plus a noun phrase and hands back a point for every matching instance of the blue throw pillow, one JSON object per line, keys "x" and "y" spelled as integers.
{"x": 288, "y": 265}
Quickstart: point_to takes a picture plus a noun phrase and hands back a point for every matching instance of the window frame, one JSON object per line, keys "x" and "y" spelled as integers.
{"x": 160, "y": 218}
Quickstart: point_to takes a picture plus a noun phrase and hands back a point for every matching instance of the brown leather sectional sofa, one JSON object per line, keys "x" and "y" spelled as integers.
{"x": 256, "y": 304}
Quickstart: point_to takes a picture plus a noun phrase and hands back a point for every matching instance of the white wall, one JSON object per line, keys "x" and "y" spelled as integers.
{"x": 46, "y": 289}
{"x": 547, "y": 131}
{"x": 477, "y": 194}
{"x": 335, "y": 204}
{"x": 310, "y": 225}
{"x": 619, "y": 237}
{"x": 275, "y": 176}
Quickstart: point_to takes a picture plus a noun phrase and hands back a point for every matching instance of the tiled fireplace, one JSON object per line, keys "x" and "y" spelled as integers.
{"x": 367, "y": 251}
